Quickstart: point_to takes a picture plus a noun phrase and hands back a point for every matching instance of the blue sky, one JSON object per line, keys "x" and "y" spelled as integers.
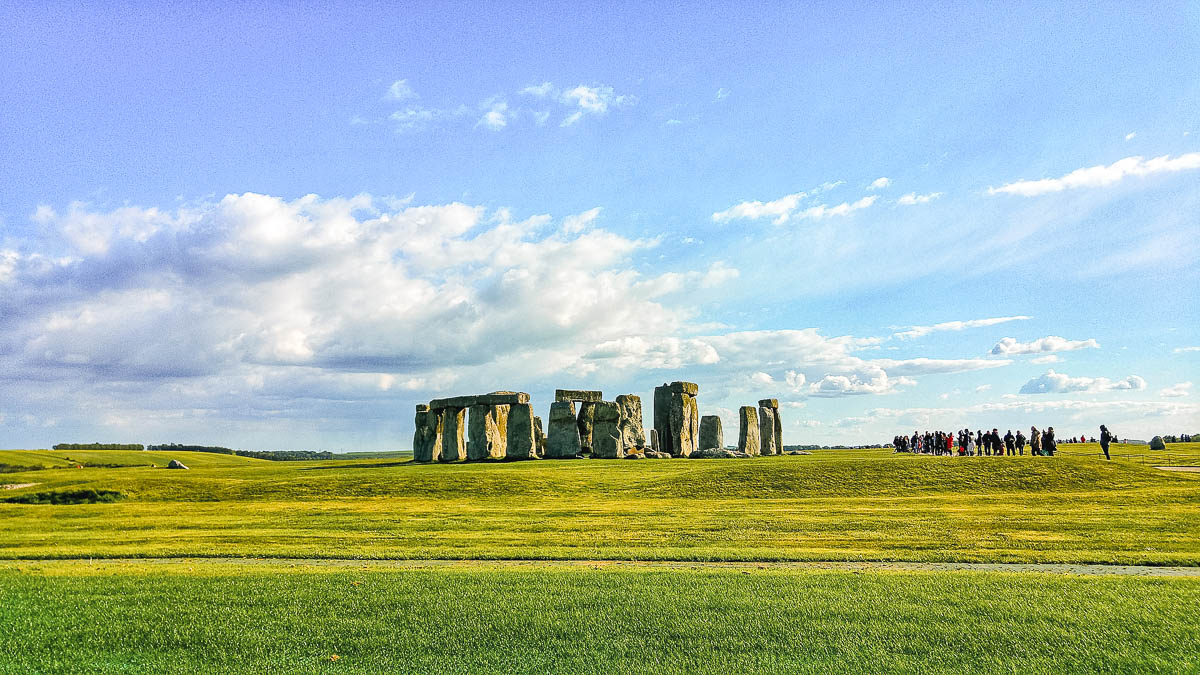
{"x": 280, "y": 228}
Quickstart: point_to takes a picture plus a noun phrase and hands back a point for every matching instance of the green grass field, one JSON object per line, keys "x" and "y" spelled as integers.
{"x": 67, "y": 609}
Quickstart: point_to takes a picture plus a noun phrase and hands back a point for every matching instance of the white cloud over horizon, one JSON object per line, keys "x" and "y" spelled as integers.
{"x": 921, "y": 331}
{"x": 1101, "y": 175}
{"x": 1052, "y": 343}
{"x": 785, "y": 208}
{"x": 1060, "y": 383}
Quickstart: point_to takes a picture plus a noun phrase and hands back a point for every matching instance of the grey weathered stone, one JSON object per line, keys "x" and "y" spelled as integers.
{"x": 487, "y": 432}
{"x": 716, "y": 453}
{"x": 494, "y": 398}
{"x": 521, "y": 442}
{"x": 798, "y": 452}
{"x": 654, "y": 454}
{"x": 607, "y": 442}
{"x": 778, "y": 432}
{"x": 562, "y": 440}
{"x": 586, "y": 420}
{"x": 454, "y": 445}
{"x": 766, "y": 431}
{"x": 635, "y": 455}
{"x": 768, "y": 403}
{"x": 578, "y": 395}
{"x": 654, "y": 440}
{"x": 422, "y": 407}
{"x": 676, "y": 417}
{"x": 633, "y": 434}
{"x": 748, "y": 433}
{"x": 176, "y": 464}
{"x": 427, "y": 437}
{"x": 539, "y": 434}
{"x": 711, "y": 434}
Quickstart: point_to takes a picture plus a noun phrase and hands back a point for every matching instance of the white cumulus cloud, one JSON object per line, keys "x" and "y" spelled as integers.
{"x": 921, "y": 331}
{"x": 1061, "y": 383}
{"x": 1176, "y": 390}
{"x": 1101, "y": 176}
{"x": 914, "y": 198}
{"x": 1052, "y": 343}
{"x": 880, "y": 183}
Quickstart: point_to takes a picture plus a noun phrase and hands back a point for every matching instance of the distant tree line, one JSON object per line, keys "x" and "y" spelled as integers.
{"x": 273, "y": 455}
{"x": 99, "y": 446}
{"x": 1182, "y": 438}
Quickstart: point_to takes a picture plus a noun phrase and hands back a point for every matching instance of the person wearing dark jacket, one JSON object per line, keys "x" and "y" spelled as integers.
{"x": 1020, "y": 442}
{"x": 1035, "y": 442}
{"x": 1105, "y": 440}
{"x": 1010, "y": 443}
{"x": 1048, "y": 444}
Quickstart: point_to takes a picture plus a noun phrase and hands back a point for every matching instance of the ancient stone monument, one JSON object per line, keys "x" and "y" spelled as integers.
{"x": 521, "y": 439}
{"x": 587, "y": 412}
{"x": 539, "y": 434}
{"x": 489, "y": 439}
{"x": 427, "y": 438}
{"x": 769, "y": 427}
{"x": 676, "y": 417}
{"x": 607, "y": 440}
{"x": 562, "y": 439}
{"x": 748, "y": 432}
{"x": 633, "y": 434}
{"x": 487, "y": 432}
{"x": 711, "y": 435}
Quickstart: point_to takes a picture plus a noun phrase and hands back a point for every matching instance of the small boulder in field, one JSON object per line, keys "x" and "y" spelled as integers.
{"x": 1156, "y": 443}
{"x": 176, "y": 464}
{"x": 798, "y": 452}
{"x": 633, "y": 456}
{"x": 716, "y": 453}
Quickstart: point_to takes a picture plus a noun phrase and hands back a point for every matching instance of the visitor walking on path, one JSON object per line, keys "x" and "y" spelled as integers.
{"x": 1105, "y": 440}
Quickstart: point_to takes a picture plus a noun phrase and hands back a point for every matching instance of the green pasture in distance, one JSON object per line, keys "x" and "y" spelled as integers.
{"x": 108, "y": 617}
{"x": 831, "y": 505}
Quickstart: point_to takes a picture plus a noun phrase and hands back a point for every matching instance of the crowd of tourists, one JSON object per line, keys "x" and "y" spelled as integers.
{"x": 964, "y": 443}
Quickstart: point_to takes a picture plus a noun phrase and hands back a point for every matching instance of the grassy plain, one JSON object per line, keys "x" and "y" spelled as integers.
{"x": 833, "y": 505}
{"x": 258, "y": 598}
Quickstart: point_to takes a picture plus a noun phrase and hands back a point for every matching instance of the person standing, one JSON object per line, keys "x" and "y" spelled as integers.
{"x": 1105, "y": 440}
{"x": 1035, "y": 442}
{"x": 1010, "y": 443}
{"x": 970, "y": 443}
{"x": 1048, "y": 444}
{"x": 1020, "y": 442}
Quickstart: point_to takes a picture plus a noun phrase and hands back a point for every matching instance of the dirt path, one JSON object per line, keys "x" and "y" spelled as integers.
{"x": 1185, "y": 469}
{"x": 16, "y": 486}
{"x": 300, "y": 564}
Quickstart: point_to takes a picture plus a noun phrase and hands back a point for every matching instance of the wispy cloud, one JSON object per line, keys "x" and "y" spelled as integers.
{"x": 920, "y": 331}
{"x": 722, "y": 94}
{"x": 1049, "y": 358}
{"x": 1052, "y": 343}
{"x": 401, "y": 91}
{"x": 914, "y": 198}
{"x": 591, "y": 101}
{"x": 1176, "y": 390}
{"x": 1061, "y": 383}
{"x": 1184, "y": 350}
{"x": 1130, "y": 136}
{"x": 880, "y": 183}
{"x": 1101, "y": 176}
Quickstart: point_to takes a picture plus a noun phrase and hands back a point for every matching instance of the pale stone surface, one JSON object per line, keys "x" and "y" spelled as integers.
{"x": 633, "y": 435}
{"x": 427, "y": 438}
{"x": 654, "y": 454}
{"x": 677, "y": 417}
{"x": 766, "y": 431}
{"x": 711, "y": 434}
{"x": 578, "y": 395}
{"x": 562, "y": 441}
{"x": 606, "y": 431}
{"x": 454, "y": 444}
{"x": 716, "y": 453}
{"x": 540, "y": 434}
{"x": 586, "y": 420}
{"x": 173, "y": 464}
{"x": 748, "y": 438}
{"x": 494, "y": 398}
{"x": 487, "y": 432}
{"x": 522, "y": 434}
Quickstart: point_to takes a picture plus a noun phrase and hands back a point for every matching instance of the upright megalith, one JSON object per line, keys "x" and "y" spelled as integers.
{"x": 711, "y": 434}
{"x": 427, "y": 437}
{"x": 748, "y": 431}
{"x": 654, "y": 440}
{"x": 454, "y": 446}
{"x": 562, "y": 441}
{"x": 633, "y": 434}
{"x": 676, "y": 417}
{"x": 769, "y": 427}
{"x": 487, "y": 432}
{"x": 521, "y": 440}
{"x": 585, "y": 421}
{"x": 539, "y": 435}
{"x": 607, "y": 442}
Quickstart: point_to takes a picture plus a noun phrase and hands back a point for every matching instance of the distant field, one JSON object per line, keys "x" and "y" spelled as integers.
{"x": 832, "y": 505}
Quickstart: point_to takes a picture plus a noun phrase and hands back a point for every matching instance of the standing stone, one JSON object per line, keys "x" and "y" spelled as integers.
{"x": 748, "y": 432}
{"x": 587, "y": 419}
{"x": 427, "y": 438}
{"x": 562, "y": 441}
{"x": 607, "y": 442}
{"x": 521, "y": 442}
{"x": 486, "y": 432}
{"x": 654, "y": 440}
{"x": 676, "y": 417}
{"x": 454, "y": 446}
{"x": 633, "y": 435}
{"x": 778, "y": 433}
{"x": 711, "y": 435}
{"x": 766, "y": 430}
{"x": 539, "y": 434}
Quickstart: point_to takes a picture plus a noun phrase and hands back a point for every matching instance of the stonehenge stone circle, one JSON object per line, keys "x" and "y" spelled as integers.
{"x": 768, "y": 411}
{"x": 562, "y": 440}
{"x": 773, "y": 404}
{"x": 521, "y": 441}
{"x": 487, "y": 432}
{"x": 454, "y": 446}
{"x": 427, "y": 438}
{"x": 748, "y": 432}
{"x": 654, "y": 440}
{"x": 578, "y": 395}
{"x": 676, "y": 417}
{"x": 711, "y": 435}
{"x": 607, "y": 441}
{"x": 633, "y": 435}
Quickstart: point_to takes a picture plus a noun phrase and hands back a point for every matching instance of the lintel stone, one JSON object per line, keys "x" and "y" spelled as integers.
{"x": 578, "y": 395}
